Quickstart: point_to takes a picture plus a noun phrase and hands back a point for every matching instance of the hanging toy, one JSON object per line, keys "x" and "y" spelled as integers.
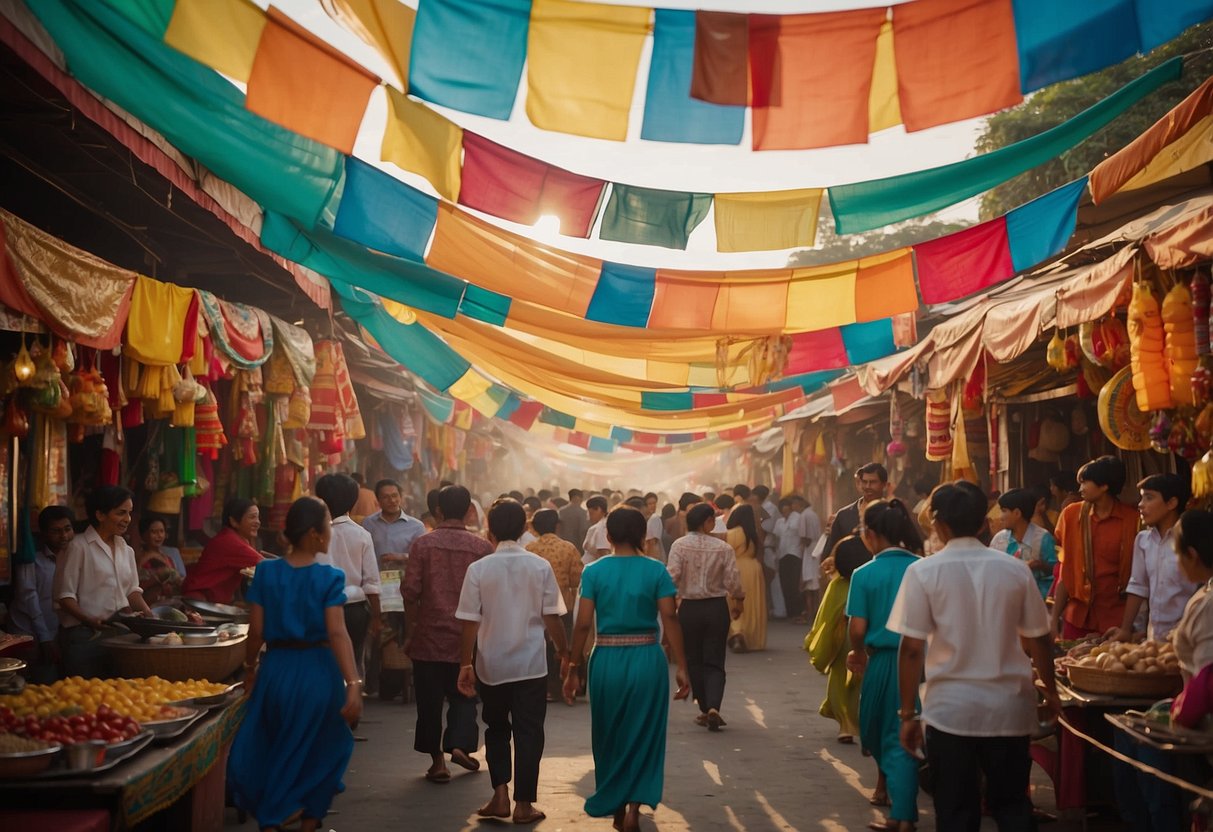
{"x": 896, "y": 447}
{"x": 1160, "y": 431}
{"x": 1147, "y": 342}
{"x": 1180, "y": 347}
{"x": 1199, "y": 289}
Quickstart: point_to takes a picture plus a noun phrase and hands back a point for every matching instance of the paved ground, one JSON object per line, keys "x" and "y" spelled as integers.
{"x": 777, "y": 766}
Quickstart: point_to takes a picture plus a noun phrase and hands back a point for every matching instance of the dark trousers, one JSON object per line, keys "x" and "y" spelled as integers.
{"x": 555, "y": 687}
{"x": 789, "y": 584}
{"x": 435, "y": 682}
{"x": 357, "y": 620}
{"x": 515, "y": 709}
{"x": 957, "y": 764}
{"x": 705, "y": 631}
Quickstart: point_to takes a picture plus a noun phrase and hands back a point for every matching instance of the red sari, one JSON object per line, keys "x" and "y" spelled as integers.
{"x": 216, "y": 575}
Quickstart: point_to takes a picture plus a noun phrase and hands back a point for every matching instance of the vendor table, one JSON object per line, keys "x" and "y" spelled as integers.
{"x": 184, "y": 779}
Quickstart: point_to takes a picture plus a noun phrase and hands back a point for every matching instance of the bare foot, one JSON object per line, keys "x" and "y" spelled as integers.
{"x": 631, "y": 818}
{"x": 619, "y": 813}
{"x": 498, "y": 807}
{"x": 527, "y": 813}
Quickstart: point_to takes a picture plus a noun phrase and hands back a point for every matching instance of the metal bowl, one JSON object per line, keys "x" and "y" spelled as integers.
{"x": 27, "y": 763}
{"x": 84, "y": 756}
{"x": 200, "y": 638}
{"x": 160, "y": 727}
{"x": 9, "y": 668}
{"x": 224, "y": 612}
{"x": 156, "y": 626}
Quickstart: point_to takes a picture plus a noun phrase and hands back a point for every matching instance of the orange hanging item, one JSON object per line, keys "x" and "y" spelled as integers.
{"x": 1181, "y": 351}
{"x": 1147, "y": 342}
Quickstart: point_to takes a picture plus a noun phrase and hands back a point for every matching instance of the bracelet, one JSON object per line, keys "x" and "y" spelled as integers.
{"x": 466, "y": 666}
{"x": 908, "y": 716}
{"x": 350, "y": 683}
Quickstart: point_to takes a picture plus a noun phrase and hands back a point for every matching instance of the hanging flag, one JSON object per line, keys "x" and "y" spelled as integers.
{"x": 603, "y": 446}
{"x": 623, "y": 296}
{"x": 767, "y": 221}
{"x": 758, "y": 302}
{"x": 1056, "y": 41}
{"x": 526, "y": 414}
{"x": 721, "y": 70}
{"x": 581, "y": 66}
{"x": 866, "y": 342}
{"x": 440, "y": 408}
{"x": 509, "y": 185}
{"x": 386, "y": 25}
{"x": 819, "y": 350}
{"x": 863, "y": 206}
{"x": 956, "y": 59}
{"x": 671, "y": 114}
{"x": 548, "y": 416}
{"x": 986, "y": 254}
{"x": 884, "y": 285}
{"x": 223, "y": 34}
{"x": 681, "y": 400}
{"x": 495, "y": 259}
{"x": 468, "y": 54}
{"x": 421, "y": 141}
{"x": 383, "y": 213}
{"x": 822, "y": 296}
{"x": 884, "y": 105}
{"x": 811, "y": 77}
{"x": 307, "y": 86}
{"x": 653, "y": 217}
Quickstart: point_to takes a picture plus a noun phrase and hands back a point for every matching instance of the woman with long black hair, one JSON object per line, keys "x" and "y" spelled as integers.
{"x": 749, "y": 628}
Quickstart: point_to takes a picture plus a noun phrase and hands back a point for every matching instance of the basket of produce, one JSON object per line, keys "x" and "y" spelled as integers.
{"x": 1147, "y": 670}
{"x": 25, "y": 756}
{"x": 176, "y": 662}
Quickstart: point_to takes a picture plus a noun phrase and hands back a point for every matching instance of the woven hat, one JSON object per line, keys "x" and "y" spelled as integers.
{"x": 1119, "y": 417}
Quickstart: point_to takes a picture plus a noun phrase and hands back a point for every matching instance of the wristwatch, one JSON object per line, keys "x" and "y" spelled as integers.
{"x": 908, "y": 716}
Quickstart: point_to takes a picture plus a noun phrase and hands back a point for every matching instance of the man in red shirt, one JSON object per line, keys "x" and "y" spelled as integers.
{"x": 1095, "y": 540}
{"x": 432, "y": 582}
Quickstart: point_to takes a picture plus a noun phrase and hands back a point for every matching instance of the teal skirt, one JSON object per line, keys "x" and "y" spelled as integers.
{"x": 880, "y": 733}
{"x": 629, "y": 690}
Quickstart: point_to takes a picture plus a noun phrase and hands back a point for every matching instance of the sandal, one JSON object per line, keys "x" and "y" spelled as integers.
{"x": 443, "y": 776}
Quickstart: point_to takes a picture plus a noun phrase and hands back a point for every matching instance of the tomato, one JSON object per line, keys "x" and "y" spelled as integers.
{"x": 76, "y": 720}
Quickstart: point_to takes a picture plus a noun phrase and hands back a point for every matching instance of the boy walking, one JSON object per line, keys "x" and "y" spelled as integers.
{"x": 508, "y": 600}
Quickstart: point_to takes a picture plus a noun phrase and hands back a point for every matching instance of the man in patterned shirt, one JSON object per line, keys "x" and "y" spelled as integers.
{"x": 566, "y": 564}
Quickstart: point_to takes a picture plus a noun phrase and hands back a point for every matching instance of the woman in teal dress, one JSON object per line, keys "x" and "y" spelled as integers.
{"x": 295, "y": 742}
{"x": 889, "y": 531}
{"x": 629, "y": 683}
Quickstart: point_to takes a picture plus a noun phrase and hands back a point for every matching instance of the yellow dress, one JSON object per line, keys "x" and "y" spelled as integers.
{"x": 752, "y": 625}
{"x": 828, "y": 644}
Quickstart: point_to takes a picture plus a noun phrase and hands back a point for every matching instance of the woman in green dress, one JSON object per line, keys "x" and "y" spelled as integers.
{"x": 828, "y": 642}
{"x": 888, "y": 531}
{"x": 628, "y": 674}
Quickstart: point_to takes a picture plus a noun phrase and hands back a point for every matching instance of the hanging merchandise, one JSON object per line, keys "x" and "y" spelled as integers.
{"x": 326, "y": 421}
{"x": 241, "y": 334}
{"x": 296, "y": 346}
{"x": 1199, "y": 288}
{"x": 279, "y": 375}
{"x": 89, "y": 398}
{"x": 896, "y": 447}
{"x": 299, "y": 409}
{"x": 16, "y": 421}
{"x": 1114, "y": 352}
{"x": 1181, "y": 351}
{"x": 939, "y": 426}
{"x": 351, "y": 415}
{"x": 1202, "y": 382}
{"x": 962, "y": 464}
{"x": 1160, "y": 431}
{"x": 1055, "y": 352}
{"x": 1120, "y": 419}
{"x": 1202, "y": 477}
{"x": 210, "y": 435}
{"x": 1147, "y": 342}
{"x": 1183, "y": 439}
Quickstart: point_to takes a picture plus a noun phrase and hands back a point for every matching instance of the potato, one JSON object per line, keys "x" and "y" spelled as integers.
{"x": 1150, "y": 649}
{"x": 1098, "y": 650}
{"x": 1131, "y": 658}
{"x": 1155, "y": 669}
{"x": 1116, "y": 666}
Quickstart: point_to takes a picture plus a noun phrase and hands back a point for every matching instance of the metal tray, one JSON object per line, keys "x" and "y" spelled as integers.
{"x": 185, "y": 723}
{"x": 215, "y": 700}
{"x": 114, "y": 754}
{"x": 224, "y": 612}
{"x": 155, "y": 626}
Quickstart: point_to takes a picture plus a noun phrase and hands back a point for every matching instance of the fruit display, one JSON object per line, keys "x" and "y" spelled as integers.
{"x": 1153, "y": 657}
{"x": 138, "y": 699}
{"x": 62, "y": 729}
{"x": 1147, "y": 343}
{"x": 18, "y": 744}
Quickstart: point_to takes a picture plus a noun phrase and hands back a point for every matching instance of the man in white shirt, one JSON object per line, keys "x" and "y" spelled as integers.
{"x": 963, "y": 612}
{"x": 1156, "y": 575}
{"x": 33, "y": 610}
{"x": 509, "y": 600}
{"x": 654, "y": 528}
{"x": 596, "y": 544}
{"x": 810, "y": 571}
{"x": 788, "y": 554}
{"x": 352, "y": 550}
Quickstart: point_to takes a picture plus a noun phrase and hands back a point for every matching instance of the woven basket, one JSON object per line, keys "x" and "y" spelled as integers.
{"x": 1124, "y": 683}
{"x": 176, "y": 663}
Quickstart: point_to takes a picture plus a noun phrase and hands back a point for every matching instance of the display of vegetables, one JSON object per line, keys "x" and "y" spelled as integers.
{"x": 1147, "y": 344}
{"x": 1180, "y": 350}
{"x": 139, "y": 699}
{"x": 1148, "y": 657}
{"x": 105, "y": 725}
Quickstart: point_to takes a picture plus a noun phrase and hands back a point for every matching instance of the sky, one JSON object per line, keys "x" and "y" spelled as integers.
{"x": 712, "y": 169}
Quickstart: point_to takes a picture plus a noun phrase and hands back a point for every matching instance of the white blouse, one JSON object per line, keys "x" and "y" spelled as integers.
{"x": 1193, "y": 635}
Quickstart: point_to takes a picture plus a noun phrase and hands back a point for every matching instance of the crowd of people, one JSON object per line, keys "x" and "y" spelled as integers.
{"x": 546, "y": 597}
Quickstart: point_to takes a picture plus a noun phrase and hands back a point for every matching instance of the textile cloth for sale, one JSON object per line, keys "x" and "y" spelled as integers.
{"x": 163, "y": 323}
{"x": 242, "y": 333}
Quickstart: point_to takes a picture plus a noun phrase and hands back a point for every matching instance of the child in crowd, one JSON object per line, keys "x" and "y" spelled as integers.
{"x": 1024, "y": 539}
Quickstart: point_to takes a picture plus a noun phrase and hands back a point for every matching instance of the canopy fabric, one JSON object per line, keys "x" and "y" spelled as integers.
{"x": 581, "y": 66}
{"x": 223, "y": 34}
{"x": 78, "y": 295}
{"x": 419, "y": 140}
{"x": 507, "y": 184}
{"x": 307, "y": 86}
{"x": 383, "y": 214}
{"x": 1179, "y": 141}
{"x": 868, "y": 205}
{"x": 811, "y": 77}
{"x": 671, "y": 114}
{"x": 195, "y": 108}
{"x": 468, "y": 54}
{"x": 385, "y": 25}
{"x": 1184, "y": 244}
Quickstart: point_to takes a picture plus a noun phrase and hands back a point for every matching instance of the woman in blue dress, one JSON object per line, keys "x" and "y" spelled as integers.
{"x": 295, "y": 742}
{"x": 888, "y": 531}
{"x": 629, "y": 677}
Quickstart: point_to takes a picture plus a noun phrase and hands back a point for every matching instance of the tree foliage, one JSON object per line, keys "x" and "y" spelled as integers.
{"x": 1051, "y": 106}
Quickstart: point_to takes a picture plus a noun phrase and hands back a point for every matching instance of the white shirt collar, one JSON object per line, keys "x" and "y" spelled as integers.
{"x": 510, "y": 546}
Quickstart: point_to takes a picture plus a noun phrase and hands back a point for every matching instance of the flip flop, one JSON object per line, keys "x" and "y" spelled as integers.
{"x": 438, "y": 776}
{"x": 846, "y": 739}
{"x": 533, "y": 817}
{"x": 877, "y": 826}
{"x": 879, "y": 801}
{"x": 461, "y": 759}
